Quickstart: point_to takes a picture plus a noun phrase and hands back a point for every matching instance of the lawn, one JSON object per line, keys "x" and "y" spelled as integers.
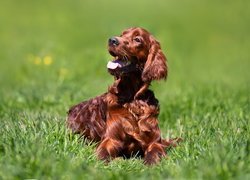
{"x": 53, "y": 54}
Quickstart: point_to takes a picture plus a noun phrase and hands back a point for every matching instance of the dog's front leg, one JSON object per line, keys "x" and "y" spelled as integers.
{"x": 154, "y": 153}
{"x": 109, "y": 149}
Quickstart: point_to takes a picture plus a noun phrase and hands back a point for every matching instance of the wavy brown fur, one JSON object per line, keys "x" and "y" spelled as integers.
{"x": 124, "y": 120}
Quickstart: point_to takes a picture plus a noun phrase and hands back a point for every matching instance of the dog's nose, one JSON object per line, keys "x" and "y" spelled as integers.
{"x": 113, "y": 41}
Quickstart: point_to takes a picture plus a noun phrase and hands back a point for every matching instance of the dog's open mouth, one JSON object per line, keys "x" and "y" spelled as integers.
{"x": 118, "y": 62}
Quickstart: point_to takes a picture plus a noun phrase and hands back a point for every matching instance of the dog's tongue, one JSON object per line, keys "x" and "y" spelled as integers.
{"x": 113, "y": 65}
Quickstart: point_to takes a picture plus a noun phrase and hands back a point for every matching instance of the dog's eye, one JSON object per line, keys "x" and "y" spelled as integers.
{"x": 137, "y": 39}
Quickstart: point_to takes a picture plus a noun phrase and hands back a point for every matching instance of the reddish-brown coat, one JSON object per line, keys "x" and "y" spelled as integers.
{"x": 124, "y": 120}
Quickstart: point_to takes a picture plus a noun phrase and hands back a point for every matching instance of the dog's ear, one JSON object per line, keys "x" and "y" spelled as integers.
{"x": 155, "y": 67}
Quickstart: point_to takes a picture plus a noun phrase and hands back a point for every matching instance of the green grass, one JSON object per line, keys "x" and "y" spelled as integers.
{"x": 206, "y": 99}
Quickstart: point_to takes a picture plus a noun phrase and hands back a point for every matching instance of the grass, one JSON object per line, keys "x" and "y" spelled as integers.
{"x": 53, "y": 55}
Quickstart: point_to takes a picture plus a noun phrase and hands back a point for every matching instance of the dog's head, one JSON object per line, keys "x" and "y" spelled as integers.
{"x": 137, "y": 49}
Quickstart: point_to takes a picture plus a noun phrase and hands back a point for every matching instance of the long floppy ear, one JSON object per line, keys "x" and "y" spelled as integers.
{"x": 155, "y": 67}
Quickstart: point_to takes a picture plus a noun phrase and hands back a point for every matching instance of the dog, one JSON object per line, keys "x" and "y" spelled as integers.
{"x": 123, "y": 121}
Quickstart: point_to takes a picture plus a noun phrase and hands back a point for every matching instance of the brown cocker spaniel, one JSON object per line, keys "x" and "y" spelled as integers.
{"x": 124, "y": 120}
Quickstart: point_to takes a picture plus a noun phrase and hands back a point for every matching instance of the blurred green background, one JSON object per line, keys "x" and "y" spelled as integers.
{"x": 205, "y": 41}
{"x": 53, "y": 54}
